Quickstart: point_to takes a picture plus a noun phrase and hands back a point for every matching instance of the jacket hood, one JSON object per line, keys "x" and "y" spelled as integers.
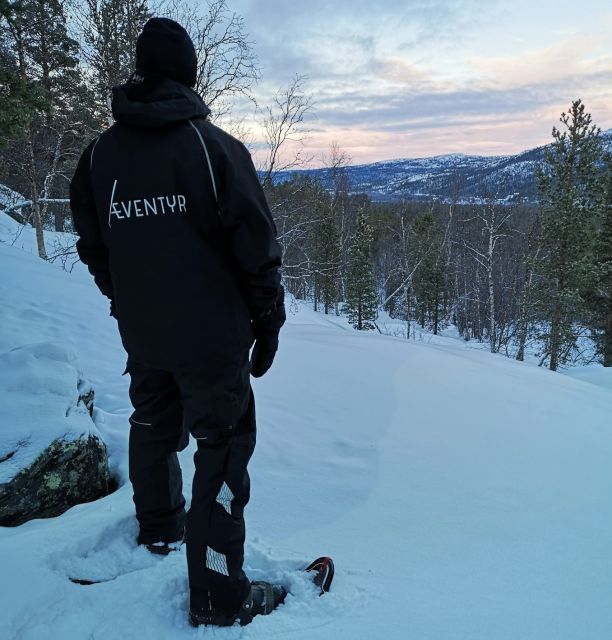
{"x": 155, "y": 102}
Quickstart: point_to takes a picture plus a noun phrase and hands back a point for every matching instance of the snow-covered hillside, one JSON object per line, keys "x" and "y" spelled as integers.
{"x": 464, "y": 496}
{"x": 452, "y": 176}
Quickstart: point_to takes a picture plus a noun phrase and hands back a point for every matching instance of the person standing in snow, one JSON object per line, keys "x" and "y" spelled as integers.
{"x": 175, "y": 229}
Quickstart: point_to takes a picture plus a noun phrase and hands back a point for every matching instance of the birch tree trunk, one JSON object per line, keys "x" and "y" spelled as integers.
{"x": 36, "y": 212}
{"x": 491, "y": 283}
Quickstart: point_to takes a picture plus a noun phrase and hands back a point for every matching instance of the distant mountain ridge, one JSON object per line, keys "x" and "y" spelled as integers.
{"x": 454, "y": 176}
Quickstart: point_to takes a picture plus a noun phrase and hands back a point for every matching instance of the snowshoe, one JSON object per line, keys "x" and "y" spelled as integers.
{"x": 323, "y": 569}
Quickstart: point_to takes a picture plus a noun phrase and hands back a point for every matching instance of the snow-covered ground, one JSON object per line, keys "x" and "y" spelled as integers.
{"x": 463, "y": 496}
{"x": 584, "y": 352}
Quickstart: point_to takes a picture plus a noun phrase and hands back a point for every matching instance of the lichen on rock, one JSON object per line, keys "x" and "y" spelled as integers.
{"x": 64, "y": 474}
{"x": 52, "y": 456}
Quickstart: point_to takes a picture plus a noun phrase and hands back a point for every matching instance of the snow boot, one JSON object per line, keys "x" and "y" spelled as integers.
{"x": 263, "y": 598}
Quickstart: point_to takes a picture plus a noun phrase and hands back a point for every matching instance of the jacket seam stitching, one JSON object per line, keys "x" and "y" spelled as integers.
{"x": 91, "y": 157}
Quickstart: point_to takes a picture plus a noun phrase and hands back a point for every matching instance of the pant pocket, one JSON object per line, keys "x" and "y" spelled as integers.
{"x": 222, "y": 416}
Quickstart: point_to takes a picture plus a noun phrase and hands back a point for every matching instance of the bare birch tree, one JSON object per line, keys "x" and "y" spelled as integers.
{"x": 283, "y": 125}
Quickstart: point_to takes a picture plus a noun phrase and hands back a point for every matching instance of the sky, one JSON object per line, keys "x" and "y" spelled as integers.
{"x": 393, "y": 79}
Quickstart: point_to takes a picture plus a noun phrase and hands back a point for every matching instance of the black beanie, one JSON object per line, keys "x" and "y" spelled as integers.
{"x": 165, "y": 48}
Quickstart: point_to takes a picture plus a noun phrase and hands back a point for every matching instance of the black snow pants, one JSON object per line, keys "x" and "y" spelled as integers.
{"x": 220, "y": 413}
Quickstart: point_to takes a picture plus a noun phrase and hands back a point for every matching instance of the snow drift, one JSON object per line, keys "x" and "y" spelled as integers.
{"x": 464, "y": 496}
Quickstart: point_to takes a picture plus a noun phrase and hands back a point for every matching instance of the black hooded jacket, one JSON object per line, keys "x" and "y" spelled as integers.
{"x": 174, "y": 227}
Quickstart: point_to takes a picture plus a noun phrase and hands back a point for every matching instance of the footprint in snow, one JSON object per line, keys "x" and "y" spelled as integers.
{"x": 104, "y": 557}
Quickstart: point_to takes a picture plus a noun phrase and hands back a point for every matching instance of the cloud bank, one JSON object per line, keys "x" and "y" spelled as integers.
{"x": 409, "y": 79}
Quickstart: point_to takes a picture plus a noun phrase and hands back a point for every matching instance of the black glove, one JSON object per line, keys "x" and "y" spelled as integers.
{"x": 266, "y": 328}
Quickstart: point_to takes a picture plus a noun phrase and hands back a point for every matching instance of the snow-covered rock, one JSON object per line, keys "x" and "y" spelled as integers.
{"x": 51, "y": 454}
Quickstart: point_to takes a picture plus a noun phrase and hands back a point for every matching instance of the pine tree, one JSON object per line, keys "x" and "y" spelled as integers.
{"x": 19, "y": 99}
{"x": 361, "y": 299}
{"x": 51, "y": 53}
{"x": 14, "y": 98}
{"x": 46, "y": 60}
{"x": 568, "y": 193}
{"x": 110, "y": 29}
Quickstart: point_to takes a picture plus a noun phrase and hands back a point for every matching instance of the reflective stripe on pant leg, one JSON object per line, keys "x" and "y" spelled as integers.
{"x": 216, "y": 529}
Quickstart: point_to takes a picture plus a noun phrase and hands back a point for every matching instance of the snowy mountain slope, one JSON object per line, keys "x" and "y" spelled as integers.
{"x": 464, "y": 496}
{"x": 507, "y": 178}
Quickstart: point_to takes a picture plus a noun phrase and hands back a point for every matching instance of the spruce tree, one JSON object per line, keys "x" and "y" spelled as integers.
{"x": 428, "y": 278}
{"x": 328, "y": 261}
{"x": 568, "y": 194}
{"x": 600, "y": 294}
{"x": 361, "y": 299}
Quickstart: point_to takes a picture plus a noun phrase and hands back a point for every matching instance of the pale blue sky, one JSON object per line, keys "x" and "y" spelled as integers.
{"x": 403, "y": 79}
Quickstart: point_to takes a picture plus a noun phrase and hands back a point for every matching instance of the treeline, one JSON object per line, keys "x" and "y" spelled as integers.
{"x": 59, "y": 60}
{"x": 522, "y": 279}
